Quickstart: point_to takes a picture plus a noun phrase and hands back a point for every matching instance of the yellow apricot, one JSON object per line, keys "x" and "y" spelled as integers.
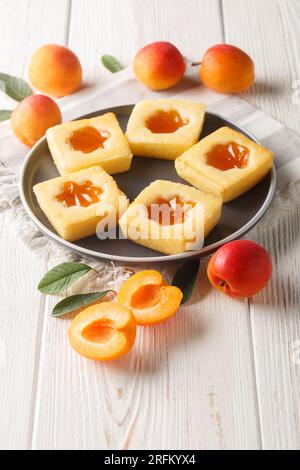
{"x": 55, "y": 70}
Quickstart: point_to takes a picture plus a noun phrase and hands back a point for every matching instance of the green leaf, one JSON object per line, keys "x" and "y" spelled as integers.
{"x": 14, "y": 87}
{"x": 62, "y": 276}
{"x": 5, "y": 114}
{"x": 185, "y": 278}
{"x": 111, "y": 63}
{"x": 73, "y": 302}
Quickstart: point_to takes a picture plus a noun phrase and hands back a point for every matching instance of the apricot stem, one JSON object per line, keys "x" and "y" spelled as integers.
{"x": 194, "y": 64}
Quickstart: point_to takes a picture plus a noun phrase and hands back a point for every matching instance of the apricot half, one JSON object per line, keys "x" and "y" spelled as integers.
{"x": 149, "y": 298}
{"x": 103, "y": 331}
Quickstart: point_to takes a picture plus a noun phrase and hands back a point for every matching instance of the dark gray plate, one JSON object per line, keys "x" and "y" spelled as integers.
{"x": 238, "y": 216}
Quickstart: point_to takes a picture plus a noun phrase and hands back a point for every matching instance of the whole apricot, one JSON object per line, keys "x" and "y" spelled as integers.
{"x": 159, "y": 65}
{"x": 227, "y": 69}
{"x": 33, "y": 116}
{"x": 55, "y": 70}
{"x": 240, "y": 268}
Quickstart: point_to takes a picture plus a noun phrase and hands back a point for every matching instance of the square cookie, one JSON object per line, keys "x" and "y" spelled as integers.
{"x": 164, "y": 128}
{"x": 88, "y": 142}
{"x": 171, "y": 217}
{"x": 225, "y": 163}
{"x": 75, "y": 203}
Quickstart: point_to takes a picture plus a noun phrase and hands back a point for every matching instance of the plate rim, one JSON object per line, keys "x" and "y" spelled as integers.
{"x": 187, "y": 255}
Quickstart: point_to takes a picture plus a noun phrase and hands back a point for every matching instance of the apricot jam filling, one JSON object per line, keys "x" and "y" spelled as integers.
{"x": 165, "y": 122}
{"x": 76, "y": 194}
{"x": 227, "y": 156}
{"x": 146, "y": 296}
{"x": 87, "y": 139}
{"x": 99, "y": 331}
{"x": 169, "y": 212}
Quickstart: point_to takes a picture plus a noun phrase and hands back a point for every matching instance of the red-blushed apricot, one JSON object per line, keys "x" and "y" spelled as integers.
{"x": 55, "y": 70}
{"x": 149, "y": 298}
{"x": 103, "y": 331}
{"x": 159, "y": 65}
{"x": 227, "y": 69}
{"x": 33, "y": 116}
{"x": 240, "y": 268}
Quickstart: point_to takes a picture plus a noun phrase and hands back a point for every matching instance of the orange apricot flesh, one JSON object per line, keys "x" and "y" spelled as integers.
{"x": 76, "y": 194}
{"x": 228, "y": 156}
{"x": 165, "y": 122}
{"x": 103, "y": 332}
{"x": 87, "y": 139}
{"x": 169, "y": 212}
{"x": 149, "y": 298}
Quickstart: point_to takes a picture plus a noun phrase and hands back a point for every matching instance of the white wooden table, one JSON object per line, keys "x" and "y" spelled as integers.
{"x": 222, "y": 374}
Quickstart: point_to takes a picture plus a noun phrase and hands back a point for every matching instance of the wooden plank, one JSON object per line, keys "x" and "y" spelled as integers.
{"x": 24, "y": 26}
{"x": 276, "y": 334}
{"x": 269, "y": 32}
{"x": 189, "y": 383}
{"x": 21, "y": 310}
{"x": 27, "y": 25}
{"x": 122, "y": 27}
{"x": 275, "y": 313}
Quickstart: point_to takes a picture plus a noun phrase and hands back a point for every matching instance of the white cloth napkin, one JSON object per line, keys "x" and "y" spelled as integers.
{"x": 122, "y": 88}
